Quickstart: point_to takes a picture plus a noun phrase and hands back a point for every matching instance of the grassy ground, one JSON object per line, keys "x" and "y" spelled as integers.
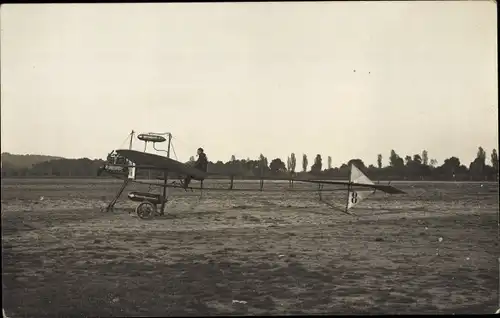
{"x": 433, "y": 250}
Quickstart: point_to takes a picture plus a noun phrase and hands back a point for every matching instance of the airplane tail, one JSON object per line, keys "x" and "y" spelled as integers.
{"x": 355, "y": 196}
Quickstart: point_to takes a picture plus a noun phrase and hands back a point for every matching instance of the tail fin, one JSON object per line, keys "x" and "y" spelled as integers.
{"x": 354, "y": 197}
{"x": 357, "y": 176}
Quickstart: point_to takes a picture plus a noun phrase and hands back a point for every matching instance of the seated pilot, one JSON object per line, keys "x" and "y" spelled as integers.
{"x": 200, "y": 164}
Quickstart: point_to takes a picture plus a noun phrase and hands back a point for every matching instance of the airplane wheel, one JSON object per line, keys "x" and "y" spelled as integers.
{"x": 145, "y": 210}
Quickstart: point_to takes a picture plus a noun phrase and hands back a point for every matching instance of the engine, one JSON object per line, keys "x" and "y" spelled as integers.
{"x": 115, "y": 164}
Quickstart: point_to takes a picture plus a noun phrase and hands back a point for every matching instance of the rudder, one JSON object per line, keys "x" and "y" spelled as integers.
{"x": 354, "y": 197}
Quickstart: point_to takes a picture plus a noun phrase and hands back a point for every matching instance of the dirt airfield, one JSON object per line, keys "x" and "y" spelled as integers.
{"x": 432, "y": 251}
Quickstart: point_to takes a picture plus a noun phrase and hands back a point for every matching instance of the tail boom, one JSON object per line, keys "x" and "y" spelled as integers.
{"x": 388, "y": 189}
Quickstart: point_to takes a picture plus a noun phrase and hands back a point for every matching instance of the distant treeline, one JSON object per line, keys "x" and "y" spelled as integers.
{"x": 416, "y": 167}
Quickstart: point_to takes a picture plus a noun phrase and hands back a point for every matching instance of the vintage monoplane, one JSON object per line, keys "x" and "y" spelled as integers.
{"x": 124, "y": 163}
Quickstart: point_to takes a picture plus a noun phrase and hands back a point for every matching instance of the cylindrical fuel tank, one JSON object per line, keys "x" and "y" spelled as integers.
{"x": 145, "y": 196}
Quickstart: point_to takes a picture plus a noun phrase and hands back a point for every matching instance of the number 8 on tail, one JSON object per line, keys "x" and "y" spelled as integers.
{"x": 354, "y": 197}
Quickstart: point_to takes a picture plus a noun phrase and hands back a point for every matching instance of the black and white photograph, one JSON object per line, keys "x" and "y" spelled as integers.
{"x": 249, "y": 158}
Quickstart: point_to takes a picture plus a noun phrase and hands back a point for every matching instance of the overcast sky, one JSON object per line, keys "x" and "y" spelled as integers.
{"x": 346, "y": 79}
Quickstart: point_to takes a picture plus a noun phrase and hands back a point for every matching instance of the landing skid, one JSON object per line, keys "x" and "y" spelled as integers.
{"x": 111, "y": 205}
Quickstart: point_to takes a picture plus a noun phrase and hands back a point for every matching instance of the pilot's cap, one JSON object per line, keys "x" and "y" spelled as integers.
{"x": 200, "y": 149}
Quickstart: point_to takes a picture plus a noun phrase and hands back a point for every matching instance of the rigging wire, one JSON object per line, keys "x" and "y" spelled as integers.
{"x": 173, "y": 150}
{"x": 125, "y": 140}
{"x": 162, "y": 150}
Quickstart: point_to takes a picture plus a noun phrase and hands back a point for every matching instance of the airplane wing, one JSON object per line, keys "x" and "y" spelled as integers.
{"x": 384, "y": 188}
{"x": 149, "y": 160}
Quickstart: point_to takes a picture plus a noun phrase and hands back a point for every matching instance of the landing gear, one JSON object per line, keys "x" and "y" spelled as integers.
{"x": 148, "y": 206}
{"x": 148, "y": 202}
{"x": 146, "y": 210}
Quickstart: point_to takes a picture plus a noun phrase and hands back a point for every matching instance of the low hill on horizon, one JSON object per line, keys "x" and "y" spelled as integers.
{"x": 24, "y": 161}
